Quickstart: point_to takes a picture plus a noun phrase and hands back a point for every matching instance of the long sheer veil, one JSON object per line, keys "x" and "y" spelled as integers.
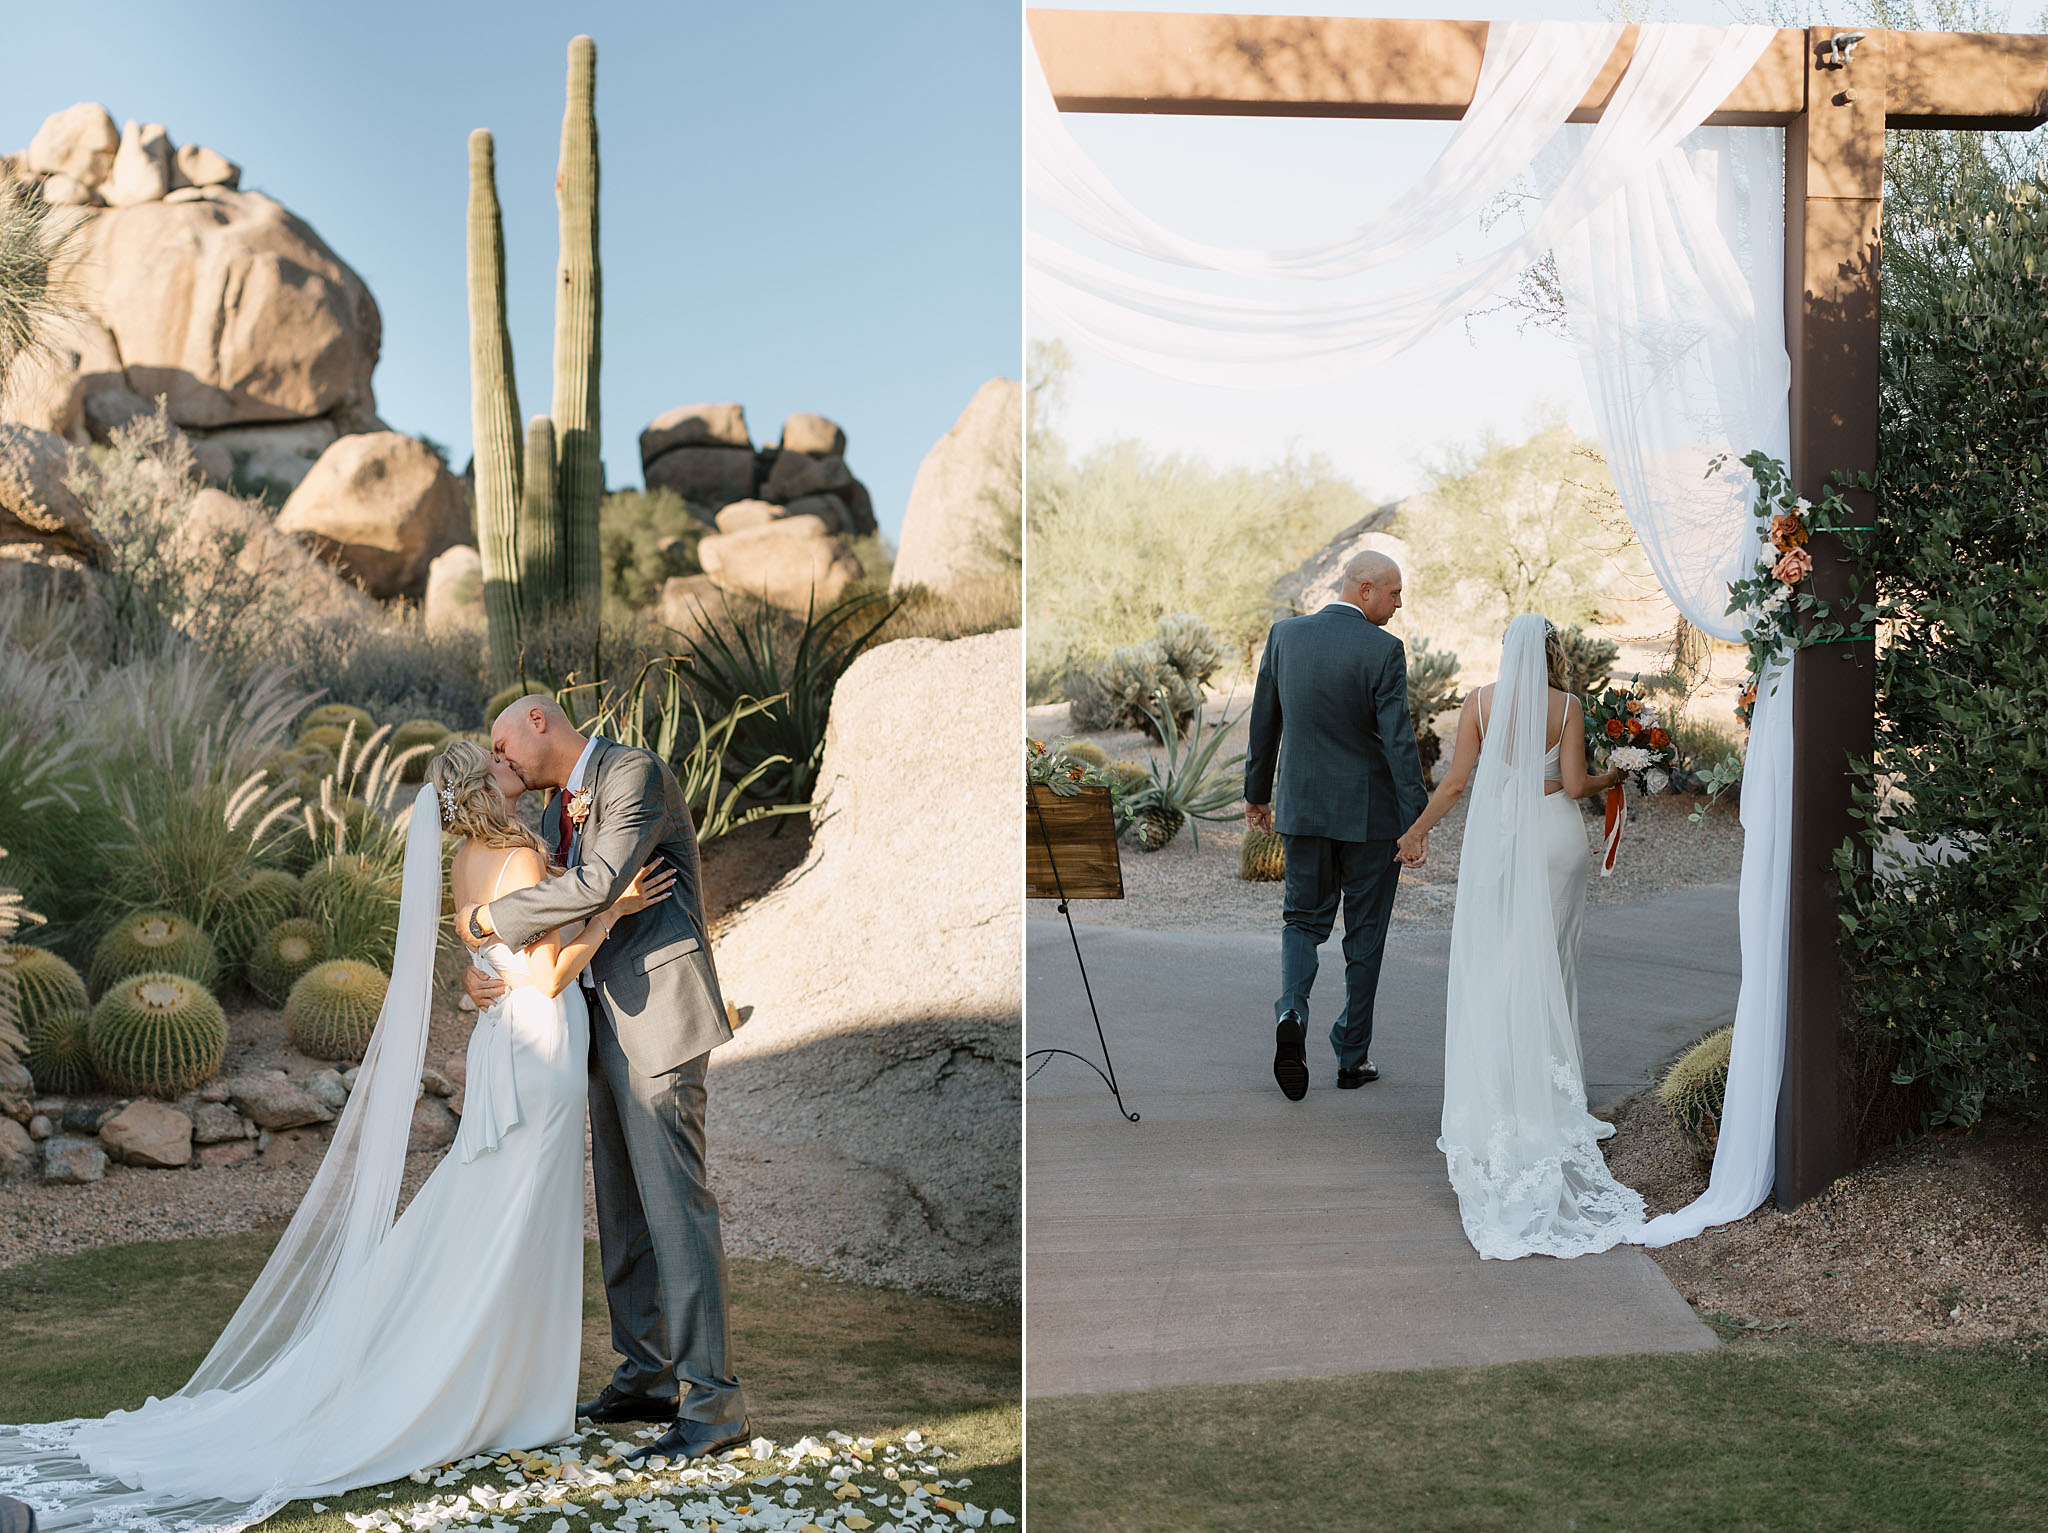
{"x": 1521, "y": 1148}
{"x": 302, "y": 1314}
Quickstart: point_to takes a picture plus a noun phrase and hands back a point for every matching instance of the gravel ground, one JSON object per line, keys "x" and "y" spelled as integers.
{"x": 1188, "y": 888}
{"x": 1945, "y": 1241}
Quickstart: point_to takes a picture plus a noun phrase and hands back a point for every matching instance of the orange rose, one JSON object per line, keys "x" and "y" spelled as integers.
{"x": 1614, "y": 729}
{"x": 1788, "y": 532}
{"x": 1659, "y": 739}
{"x": 1635, "y": 727}
{"x": 1635, "y": 705}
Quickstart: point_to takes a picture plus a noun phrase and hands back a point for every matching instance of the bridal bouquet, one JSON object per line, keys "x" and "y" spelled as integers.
{"x": 1623, "y": 730}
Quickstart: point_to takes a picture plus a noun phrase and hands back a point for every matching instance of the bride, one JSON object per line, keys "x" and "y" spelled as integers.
{"x": 367, "y": 1348}
{"x": 1523, "y": 1152}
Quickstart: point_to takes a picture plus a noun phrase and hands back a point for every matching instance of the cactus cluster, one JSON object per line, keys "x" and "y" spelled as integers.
{"x": 157, "y": 1034}
{"x": 259, "y": 902}
{"x": 339, "y": 716}
{"x": 411, "y": 735}
{"x": 1261, "y": 857}
{"x": 1692, "y": 1089}
{"x": 326, "y": 738}
{"x": 44, "y": 985}
{"x": 333, "y": 1008}
{"x": 1086, "y": 751}
{"x": 59, "y": 1056}
{"x": 537, "y": 499}
{"x": 152, "y": 940}
{"x": 282, "y": 954}
{"x": 502, "y": 699}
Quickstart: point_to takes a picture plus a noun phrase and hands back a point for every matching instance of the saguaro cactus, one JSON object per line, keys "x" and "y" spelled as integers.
{"x": 540, "y": 524}
{"x": 494, "y": 413}
{"x": 578, "y": 312}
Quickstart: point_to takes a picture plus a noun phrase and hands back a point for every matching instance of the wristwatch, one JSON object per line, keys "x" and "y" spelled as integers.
{"x": 475, "y": 930}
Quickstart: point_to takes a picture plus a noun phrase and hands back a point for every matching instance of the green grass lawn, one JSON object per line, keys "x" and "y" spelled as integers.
{"x": 81, "y": 1335}
{"x": 1767, "y": 1433}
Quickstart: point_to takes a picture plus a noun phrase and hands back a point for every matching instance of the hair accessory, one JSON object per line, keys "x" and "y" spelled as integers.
{"x": 447, "y": 805}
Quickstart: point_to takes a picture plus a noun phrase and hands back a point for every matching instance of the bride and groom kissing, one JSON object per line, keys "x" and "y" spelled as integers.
{"x": 372, "y": 1347}
{"x": 1331, "y": 765}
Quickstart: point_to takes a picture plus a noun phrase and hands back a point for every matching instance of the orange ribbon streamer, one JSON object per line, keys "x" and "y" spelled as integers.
{"x": 1611, "y": 842}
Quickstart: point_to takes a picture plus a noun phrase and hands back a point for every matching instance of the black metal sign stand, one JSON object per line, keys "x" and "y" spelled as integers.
{"x": 1109, "y": 1074}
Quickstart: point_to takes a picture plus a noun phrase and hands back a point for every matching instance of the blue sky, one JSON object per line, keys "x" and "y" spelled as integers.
{"x": 1271, "y": 182}
{"x": 806, "y": 206}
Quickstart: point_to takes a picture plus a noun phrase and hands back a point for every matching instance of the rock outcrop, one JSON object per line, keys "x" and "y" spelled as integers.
{"x": 281, "y": 567}
{"x": 36, "y": 506}
{"x": 705, "y": 454}
{"x": 885, "y": 1063}
{"x": 455, "y": 592}
{"x": 794, "y": 563}
{"x": 380, "y": 506}
{"x": 218, "y": 299}
{"x": 1312, "y": 584}
{"x": 961, "y": 522}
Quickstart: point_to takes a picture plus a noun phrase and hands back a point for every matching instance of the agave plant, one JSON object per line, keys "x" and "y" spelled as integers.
{"x": 653, "y": 721}
{"x": 1184, "y": 783}
{"x": 735, "y": 659}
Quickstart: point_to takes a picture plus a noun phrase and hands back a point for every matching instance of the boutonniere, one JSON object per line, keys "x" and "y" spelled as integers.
{"x": 578, "y": 808}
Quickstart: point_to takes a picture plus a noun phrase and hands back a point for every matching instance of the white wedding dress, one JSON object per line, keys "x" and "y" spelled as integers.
{"x": 370, "y": 1348}
{"x": 1523, "y": 1152}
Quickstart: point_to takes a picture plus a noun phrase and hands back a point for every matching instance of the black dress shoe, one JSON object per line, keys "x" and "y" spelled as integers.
{"x": 693, "y": 1439}
{"x": 614, "y": 1404}
{"x": 1351, "y": 1080}
{"x": 1290, "y": 1058}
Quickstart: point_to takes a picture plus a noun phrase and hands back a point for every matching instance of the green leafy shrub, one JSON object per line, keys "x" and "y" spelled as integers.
{"x": 60, "y": 1054}
{"x": 332, "y": 1009}
{"x": 284, "y": 953}
{"x": 1693, "y": 1088}
{"x": 645, "y": 537}
{"x": 151, "y": 941}
{"x": 157, "y": 1034}
{"x": 1942, "y": 896}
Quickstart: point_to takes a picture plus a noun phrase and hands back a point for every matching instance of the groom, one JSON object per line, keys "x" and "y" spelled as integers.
{"x": 655, "y": 1015}
{"x": 1331, "y": 711}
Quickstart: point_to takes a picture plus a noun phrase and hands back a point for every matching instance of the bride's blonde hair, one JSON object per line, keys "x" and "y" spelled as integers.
{"x": 1557, "y": 660}
{"x": 471, "y": 804}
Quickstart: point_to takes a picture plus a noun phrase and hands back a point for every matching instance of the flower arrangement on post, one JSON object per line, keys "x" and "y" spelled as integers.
{"x": 1777, "y": 615}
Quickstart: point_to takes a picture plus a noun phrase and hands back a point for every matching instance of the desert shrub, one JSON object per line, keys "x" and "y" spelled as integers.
{"x": 1168, "y": 670}
{"x": 1946, "y": 924}
{"x": 1508, "y": 527}
{"x": 393, "y": 669}
{"x": 1432, "y": 689}
{"x": 1126, "y": 535}
{"x": 164, "y": 578}
{"x": 644, "y": 537}
{"x": 985, "y": 603}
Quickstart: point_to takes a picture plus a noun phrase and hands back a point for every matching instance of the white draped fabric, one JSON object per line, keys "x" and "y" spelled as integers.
{"x": 1668, "y": 238}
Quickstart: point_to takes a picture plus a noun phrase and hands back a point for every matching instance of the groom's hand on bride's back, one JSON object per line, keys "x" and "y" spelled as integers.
{"x": 484, "y": 989}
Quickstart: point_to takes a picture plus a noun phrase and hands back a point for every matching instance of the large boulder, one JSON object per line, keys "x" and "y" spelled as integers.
{"x": 142, "y": 165}
{"x": 196, "y": 165}
{"x": 691, "y": 604}
{"x": 79, "y": 142}
{"x": 723, "y": 425}
{"x": 888, "y": 1072}
{"x": 708, "y": 476}
{"x": 965, "y": 489}
{"x": 230, "y": 306}
{"x": 455, "y": 592}
{"x": 274, "y": 1101}
{"x": 49, "y": 388}
{"x": 814, "y": 435}
{"x": 380, "y": 506}
{"x": 282, "y": 568}
{"x": 284, "y": 452}
{"x": 19, "y": 1155}
{"x": 797, "y": 474}
{"x": 795, "y": 563}
{"x": 36, "y": 506}
{"x": 1313, "y": 584}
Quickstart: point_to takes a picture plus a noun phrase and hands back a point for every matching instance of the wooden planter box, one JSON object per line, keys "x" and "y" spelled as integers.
{"x": 1077, "y": 833}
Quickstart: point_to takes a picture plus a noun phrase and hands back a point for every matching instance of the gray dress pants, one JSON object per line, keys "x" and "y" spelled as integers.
{"x": 1320, "y": 873}
{"x": 657, "y": 1226}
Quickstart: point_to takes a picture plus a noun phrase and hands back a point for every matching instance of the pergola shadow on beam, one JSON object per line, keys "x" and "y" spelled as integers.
{"x": 1834, "y": 91}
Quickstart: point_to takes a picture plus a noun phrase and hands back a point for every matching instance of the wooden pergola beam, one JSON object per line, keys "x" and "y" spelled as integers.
{"x": 1328, "y": 66}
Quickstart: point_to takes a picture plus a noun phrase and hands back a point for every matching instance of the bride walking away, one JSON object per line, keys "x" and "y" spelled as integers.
{"x": 1523, "y": 1152}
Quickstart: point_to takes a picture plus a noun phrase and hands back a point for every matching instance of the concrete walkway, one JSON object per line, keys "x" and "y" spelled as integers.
{"x": 1233, "y": 1235}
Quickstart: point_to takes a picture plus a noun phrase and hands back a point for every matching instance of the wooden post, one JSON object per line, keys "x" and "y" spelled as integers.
{"x": 1834, "y": 186}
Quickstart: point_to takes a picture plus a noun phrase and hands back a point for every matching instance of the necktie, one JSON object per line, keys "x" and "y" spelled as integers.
{"x": 568, "y": 835}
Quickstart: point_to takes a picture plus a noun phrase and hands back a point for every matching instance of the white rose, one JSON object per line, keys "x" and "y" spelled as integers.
{"x": 1657, "y": 780}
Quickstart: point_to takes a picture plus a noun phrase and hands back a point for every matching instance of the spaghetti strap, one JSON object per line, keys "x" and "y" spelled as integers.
{"x": 499, "y": 882}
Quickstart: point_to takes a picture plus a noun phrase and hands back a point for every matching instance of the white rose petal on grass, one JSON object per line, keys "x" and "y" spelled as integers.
{"x": 1000, "y": 1518}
